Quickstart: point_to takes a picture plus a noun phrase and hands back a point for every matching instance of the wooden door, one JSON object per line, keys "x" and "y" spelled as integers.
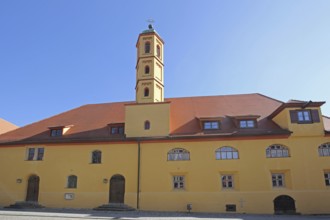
{"x": 117, "y": 189}
{"x": 284, "y": 204}
{"x": 32, "y": 193}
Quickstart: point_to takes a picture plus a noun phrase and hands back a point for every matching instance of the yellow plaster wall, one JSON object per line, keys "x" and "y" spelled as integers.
{"x": 253, "y": 191}
{"x": 61, "y": 161}
{"x": 156, "y": 113}
{"x": 313, "y": 129}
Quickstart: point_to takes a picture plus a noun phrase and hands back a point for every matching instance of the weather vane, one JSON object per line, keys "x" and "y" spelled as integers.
{"x": 150, "y": 21}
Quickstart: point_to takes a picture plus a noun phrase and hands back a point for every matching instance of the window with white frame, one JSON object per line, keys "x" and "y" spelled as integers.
{"x": 226, "y": 153}
{"x": 227, "y": 181}
{"x": 324, "y": 150}
{"x": 304, "y": 116}
{"x": 277, "y": 150}
{"x": 211, "y": 125}
{"x": 327, "y": 178}
{"x": 246, "y": 123}
{"x": 278, "y": 180}
{"x": 36, "y": 153}
{"x": 178, "y": 154}
{"x": 178, "y": 182}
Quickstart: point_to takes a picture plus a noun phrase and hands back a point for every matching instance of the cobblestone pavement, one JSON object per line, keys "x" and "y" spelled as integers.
{"x": 57, "y": 214}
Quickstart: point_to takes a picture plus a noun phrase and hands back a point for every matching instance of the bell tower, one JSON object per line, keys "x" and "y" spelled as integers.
{"x": 149, "y": 116}
{"x": 149, "y": 68}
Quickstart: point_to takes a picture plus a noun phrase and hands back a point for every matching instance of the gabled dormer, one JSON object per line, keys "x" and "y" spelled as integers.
{"x": 301, "y": 118}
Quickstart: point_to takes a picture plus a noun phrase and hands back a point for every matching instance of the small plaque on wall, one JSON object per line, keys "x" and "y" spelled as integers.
{"x": 68, "y": 196}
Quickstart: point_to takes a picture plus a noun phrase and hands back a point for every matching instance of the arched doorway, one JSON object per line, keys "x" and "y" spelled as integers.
{"x": 32, "y": 192}
{"x": 117, "y": 189}
{"x": 284, "y": 204}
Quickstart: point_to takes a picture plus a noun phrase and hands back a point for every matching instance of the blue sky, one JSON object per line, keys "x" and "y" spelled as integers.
{"x": 56, "y": 55}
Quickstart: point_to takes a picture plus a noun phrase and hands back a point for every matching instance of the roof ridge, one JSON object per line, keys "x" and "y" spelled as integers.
{"x": 208, "y": 96}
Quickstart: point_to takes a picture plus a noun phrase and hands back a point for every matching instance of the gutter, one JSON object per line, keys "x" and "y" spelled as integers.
{"x": 138, "y": 176}
{"x": 137, "y": 139}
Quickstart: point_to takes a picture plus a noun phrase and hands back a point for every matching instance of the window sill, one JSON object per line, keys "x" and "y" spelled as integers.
{"x": 228, "y": 189}
{"x": 179, "y": 190}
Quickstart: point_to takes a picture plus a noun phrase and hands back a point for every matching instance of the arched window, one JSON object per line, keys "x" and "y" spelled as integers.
{"x": 147, "y": 47}
{"x": 158, "y": 51}
{"x": 146, "y": 92}
{"x": 277, "y": 150}
{"x": 96, "y": 156}
{"x": 324, "y": 150}
{"x": 147, "y": 125}
{"x": 72, "y": 181}
{"x": 146, "y": 69}
{"x": 178, "y": 154}
{"x": 226, "y": 153}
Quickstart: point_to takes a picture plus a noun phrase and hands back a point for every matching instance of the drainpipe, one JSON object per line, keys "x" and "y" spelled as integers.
{"x": 138, "y": 177}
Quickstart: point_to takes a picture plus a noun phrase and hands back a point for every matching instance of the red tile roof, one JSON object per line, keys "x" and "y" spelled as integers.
{"x": 90, "y": 122}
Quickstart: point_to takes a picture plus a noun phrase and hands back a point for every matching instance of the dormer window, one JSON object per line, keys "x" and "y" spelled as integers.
{"x": 247, "y": 123}
{"x": 58, "y": 131}
{"x": 304, "y": 116}
{"x": 117, "y": 129}
{"x": 211, "y": 125}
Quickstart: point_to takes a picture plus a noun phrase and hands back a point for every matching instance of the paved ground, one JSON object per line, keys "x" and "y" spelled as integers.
{"x": 48, "y": 214}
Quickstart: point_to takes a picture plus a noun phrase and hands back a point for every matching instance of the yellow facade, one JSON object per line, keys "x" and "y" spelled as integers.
{"x": 252, "y": 192}
{"x": 165, "y": 172}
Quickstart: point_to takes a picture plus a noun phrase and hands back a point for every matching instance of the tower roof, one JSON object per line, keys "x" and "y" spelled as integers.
{"x": 149, "y": 30}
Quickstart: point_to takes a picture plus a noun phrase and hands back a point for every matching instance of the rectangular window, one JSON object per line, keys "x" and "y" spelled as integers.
{"x": 247, "y": 124}
{"x": 227, "y": 181}
{"x": 117, "y": 130}
{"x": 209, "y": 125}
{"x": 304, "y": 116}
{"x": 278, "y": 180}
{"x": 56, "y": 132}
{"x": 35, "y": 153}
{"x": 327, "y": 179}
{"x": 30, "y": 154}
{"x": 178, "y": 182}
{"x": 40, "y": 154}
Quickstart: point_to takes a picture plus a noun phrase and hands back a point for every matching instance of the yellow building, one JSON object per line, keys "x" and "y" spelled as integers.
{"x": 236, "y": 153}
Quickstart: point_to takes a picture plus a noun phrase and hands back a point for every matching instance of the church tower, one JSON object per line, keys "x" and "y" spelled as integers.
{"x": 150, "y": 67}
{"x": 149, "y": 116}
